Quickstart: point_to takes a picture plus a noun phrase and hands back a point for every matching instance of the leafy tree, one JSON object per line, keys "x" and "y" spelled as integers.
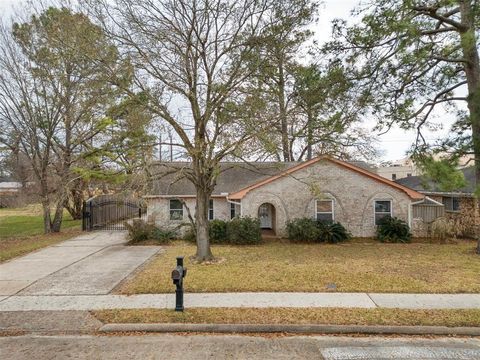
{"x": 53, "y": 90}
{"x": 416, "y": 56}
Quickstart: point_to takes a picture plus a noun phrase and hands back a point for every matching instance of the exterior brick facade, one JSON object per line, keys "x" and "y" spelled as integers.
{"x": 294, "y": 195}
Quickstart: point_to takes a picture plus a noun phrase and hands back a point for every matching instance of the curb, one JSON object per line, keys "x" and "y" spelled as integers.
{"x": 290, "y": 328}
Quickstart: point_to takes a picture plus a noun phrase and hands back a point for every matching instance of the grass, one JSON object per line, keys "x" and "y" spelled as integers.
{"x": 332, "y": 316}
{"x": 352, "y": 267}
{"x": 21, "y": 231}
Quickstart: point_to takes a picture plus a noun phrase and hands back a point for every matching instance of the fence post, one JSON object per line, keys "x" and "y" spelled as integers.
{"x": 84, "y": 216}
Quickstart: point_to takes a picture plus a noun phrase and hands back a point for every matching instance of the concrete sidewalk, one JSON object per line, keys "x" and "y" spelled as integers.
{"x": 245, "y": 300}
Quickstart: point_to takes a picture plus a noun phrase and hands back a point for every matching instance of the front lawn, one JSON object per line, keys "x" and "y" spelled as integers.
{"x": 21, "y": 231}
{"x": 332, "y": 316}
{"x": 356, "y": 266}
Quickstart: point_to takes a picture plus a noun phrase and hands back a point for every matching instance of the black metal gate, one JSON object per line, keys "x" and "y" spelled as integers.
{"x": 110, "y": 212}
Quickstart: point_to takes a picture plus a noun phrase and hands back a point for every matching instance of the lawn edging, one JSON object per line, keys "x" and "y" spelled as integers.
{"x": 291, "y": 328}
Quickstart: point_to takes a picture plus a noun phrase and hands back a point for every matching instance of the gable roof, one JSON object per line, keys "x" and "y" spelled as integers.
{"x": 411, "y": 193}
{"x": 168, "y": 180}
{"x": 420, "y": 184}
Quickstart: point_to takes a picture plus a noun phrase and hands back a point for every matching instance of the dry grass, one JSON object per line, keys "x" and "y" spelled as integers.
{"x": 353, "y": 267}
{"x": 333, "y": 316}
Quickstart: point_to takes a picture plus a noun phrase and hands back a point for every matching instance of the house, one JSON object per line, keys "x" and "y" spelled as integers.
{"x": 460, "y": 205}
{"x": 397, "y": 169}
{"x": 323, "y": 188}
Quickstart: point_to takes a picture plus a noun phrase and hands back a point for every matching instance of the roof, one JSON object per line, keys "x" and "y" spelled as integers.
{"x": 168, "y": 179}
{"x": 421, "y": 184}
{"x": 411, "y": 193}
{"x": 236, "y": 179}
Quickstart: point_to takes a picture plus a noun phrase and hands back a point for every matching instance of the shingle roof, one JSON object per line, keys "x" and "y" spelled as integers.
{"x": 238, "y": 178}
{"x": 169, "y": 180}
{"x": 419, "y": 183}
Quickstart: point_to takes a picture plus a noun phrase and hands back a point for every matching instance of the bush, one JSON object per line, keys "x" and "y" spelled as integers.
{"x": 139, "y": 231}
{"x": 303, "y": 230}
{"x": 311, "y": 230}
{"x": 332, "y": 232}
{"x": 243, "y": 231}
{"x": 162, "y": 236}
{"x": 217, "y": 231}
{"x": 189, "y": 235}
{"x": 392, "y": 229}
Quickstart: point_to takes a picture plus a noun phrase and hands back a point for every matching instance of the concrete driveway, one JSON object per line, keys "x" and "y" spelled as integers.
{"x": 90, "y": 264}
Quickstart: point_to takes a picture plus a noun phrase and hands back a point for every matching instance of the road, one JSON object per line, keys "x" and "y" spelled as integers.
{"x": 234, "y": 347}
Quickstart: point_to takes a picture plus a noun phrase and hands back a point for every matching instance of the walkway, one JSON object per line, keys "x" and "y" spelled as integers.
{"x": 250, "y": 300}
{"x": 90, "y": 264}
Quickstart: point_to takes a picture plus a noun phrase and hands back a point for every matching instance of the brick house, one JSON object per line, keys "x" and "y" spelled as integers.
{"x": 322, "y": 188}
{"x": 460, "y": 205}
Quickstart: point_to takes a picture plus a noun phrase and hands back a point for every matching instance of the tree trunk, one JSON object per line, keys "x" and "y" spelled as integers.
{"x": 201, "y": 225}
{"x": 46, "y": 216}
{"x": 283, "y": 112}
{"x": 309, "y": 135}
{"x": 57, "y": 220}
{"x": 472, "y": 73}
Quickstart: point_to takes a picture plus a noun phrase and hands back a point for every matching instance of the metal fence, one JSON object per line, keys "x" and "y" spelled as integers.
{"x": 427, "y": 212}
{"x": 110, "y": 212}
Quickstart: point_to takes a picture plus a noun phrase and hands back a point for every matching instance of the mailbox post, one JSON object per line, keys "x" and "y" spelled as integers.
{"x": 177, "y": 276}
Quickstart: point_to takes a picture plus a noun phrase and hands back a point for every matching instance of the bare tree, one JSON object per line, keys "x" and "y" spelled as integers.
{"x": 191, "y": 55}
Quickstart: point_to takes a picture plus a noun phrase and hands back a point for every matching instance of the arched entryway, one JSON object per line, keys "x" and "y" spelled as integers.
{"x": 266, "y": 215}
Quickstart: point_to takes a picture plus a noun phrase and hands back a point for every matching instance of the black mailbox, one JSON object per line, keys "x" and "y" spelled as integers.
{"x": 177, "y": 277}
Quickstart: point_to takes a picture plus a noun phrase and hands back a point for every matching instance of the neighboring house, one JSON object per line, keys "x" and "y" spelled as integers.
{"x": 322, "y": 188}
{"x": 460, "y": 205}
{"x": 397, "y": 169}
{"x": 9, "y": 187}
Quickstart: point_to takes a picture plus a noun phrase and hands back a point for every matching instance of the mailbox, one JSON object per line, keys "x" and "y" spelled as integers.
{"x": 177, "y": 277}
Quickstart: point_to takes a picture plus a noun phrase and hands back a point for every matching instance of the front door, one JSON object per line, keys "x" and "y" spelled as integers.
{"x": 265, "y": 215}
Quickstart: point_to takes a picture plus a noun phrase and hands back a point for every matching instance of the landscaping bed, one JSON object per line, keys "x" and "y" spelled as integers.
{"x": 331, "y": 316}
{"x": 355, "y": 266}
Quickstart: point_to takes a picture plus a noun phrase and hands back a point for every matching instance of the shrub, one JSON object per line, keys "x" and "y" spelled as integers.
{"x": 138, "y": 230}
{"x": 332, "y": 232}
{"x": 442, "y": 228}
{"x": 392, "y": 229}
{"x": 244, "y": 231}
{"x": 217, "y": 231}
{"x": 303, "y": 230}
{"x": 162, "y": 236}
{"x": 189, "y": 235}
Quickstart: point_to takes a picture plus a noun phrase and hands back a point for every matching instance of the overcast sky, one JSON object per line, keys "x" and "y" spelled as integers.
{"x": 396, "y": 142}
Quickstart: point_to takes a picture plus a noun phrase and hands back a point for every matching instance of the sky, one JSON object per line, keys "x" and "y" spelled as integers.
{"x": 394, "y": 143}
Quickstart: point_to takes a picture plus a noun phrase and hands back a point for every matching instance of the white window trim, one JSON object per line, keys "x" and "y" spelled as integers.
{"x": 213, "y": 209}
{"x": 375, "y": 213}
{"x": 170, "y": 210}
{"x": 323, "y": 212}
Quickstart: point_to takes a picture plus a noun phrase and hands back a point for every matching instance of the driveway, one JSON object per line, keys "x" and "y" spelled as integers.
{"x": 90, "y": 264}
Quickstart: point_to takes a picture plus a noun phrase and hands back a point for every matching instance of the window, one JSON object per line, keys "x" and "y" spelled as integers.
{"x": 382, "y": 208}
{"x": 451, "y": 203}
{"x": 235, "y": 210}
{"x": 409, "y": 174}
{"x": 394, "y": 177}
{"x": 324, "y": 210}
{"x": 176, "y": 210}
{"x": 210, "y": 209}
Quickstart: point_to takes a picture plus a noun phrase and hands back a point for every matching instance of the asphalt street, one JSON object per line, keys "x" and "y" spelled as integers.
{"x": 235, "y": 347}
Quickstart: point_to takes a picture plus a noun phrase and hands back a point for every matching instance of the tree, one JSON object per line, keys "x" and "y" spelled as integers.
{"x": 52, "y": 93}
{"x": 190, "y": 61}
{"x": 286, "y": 34}
{"x": 414, "y": 57}
{"x": 327, "y": 111}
